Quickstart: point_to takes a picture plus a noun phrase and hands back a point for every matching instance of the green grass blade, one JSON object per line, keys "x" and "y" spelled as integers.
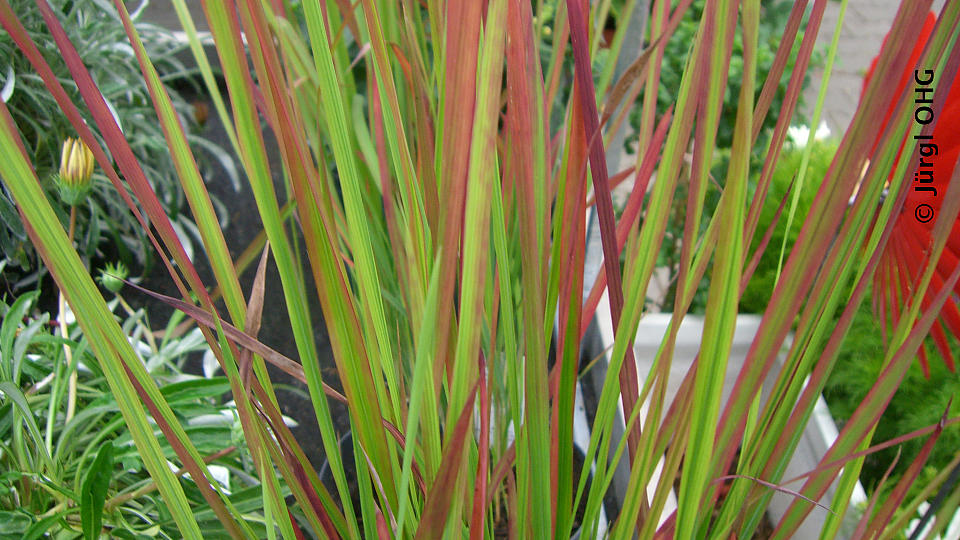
{"x": 106, "y": 339}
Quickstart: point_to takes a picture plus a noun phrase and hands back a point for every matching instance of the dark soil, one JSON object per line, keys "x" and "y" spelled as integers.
{"x": 244, "y": 225}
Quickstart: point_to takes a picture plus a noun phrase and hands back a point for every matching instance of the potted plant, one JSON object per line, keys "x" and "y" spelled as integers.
{"x": 439, "y": 173}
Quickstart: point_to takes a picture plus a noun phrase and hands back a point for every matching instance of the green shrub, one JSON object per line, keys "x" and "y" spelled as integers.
{"x": 757, "y": 294}
{"x": 51, "y": 450}
{"x": 773, "y": 17}
{"x": 106, "y": 228}
{"x": 919, "y": 402}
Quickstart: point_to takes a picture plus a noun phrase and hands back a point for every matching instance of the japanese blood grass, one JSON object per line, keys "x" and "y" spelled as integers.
{"x": 442, "y": 221}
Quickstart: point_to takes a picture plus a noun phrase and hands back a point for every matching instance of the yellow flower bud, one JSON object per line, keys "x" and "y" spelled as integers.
{"x": 76, "y": 169}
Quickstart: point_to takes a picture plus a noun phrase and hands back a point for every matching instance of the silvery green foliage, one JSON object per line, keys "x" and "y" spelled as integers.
{"x": 105, "y": 227}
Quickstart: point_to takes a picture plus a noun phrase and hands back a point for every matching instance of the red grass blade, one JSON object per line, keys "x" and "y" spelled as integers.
{"x": 434, "y": 518}
{"x": 629, "y": 385}
{"x": 896, "y": 498}
{"x": 480, "y": 489}
{"x": 911, "y": 237}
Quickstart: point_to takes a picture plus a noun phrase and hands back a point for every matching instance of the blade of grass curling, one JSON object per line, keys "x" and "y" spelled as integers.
{"x": 628, "y": 376}
{"x": 618, "y": 94}
{"x": 193, "y": 462}
{"x": 724, "y": 294}
{"x": 105, "y": 336}
{"x": 227, "y": 37}
{"x": 254, "y": 317}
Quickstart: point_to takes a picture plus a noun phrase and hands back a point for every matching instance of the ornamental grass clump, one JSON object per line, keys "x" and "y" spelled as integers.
{"x": 442, "y": 219}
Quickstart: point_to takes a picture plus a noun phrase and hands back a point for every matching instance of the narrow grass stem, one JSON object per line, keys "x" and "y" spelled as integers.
{"x": 121, "y": 498}
{"x": 67, "y": 353}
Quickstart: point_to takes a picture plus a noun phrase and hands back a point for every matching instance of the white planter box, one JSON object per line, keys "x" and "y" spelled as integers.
{"x": 817, "y": 437}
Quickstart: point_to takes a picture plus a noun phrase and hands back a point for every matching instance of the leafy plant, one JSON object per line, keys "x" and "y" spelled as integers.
{"x": 773, "y": 218}
{"x": 442, "y": 221}
{"x": 920, "y": 401}
{"x": 773, "y": 18}
{"x": 106, "y": 228}
{"x": 64, "y": 474}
